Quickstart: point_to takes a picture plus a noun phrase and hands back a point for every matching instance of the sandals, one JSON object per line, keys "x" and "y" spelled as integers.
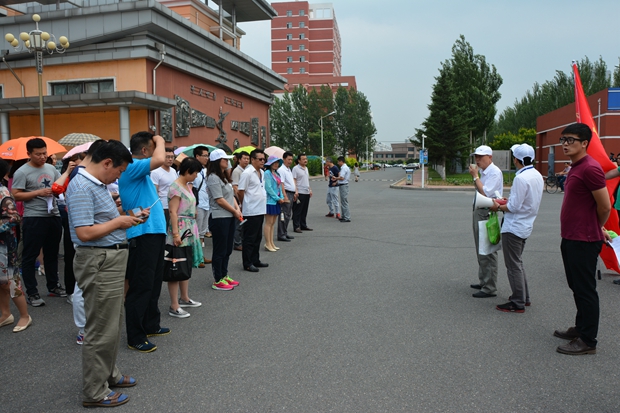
{"x": 111, "y": 400}
{"x": 125, "y": 381}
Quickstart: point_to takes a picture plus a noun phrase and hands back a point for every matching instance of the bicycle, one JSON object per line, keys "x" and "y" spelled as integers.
{"x": 551, "y": 184}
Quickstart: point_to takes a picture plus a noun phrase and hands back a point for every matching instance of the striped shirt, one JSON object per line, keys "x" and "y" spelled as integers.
{"x": 89, "y": 203}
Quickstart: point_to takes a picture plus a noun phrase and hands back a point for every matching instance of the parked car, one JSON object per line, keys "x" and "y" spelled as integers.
{"x": 412, "y": 166}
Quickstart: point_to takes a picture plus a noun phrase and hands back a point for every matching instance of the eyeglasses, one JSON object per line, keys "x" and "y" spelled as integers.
{"x": 260, "y": 159}
{"x": 570, "y": 140}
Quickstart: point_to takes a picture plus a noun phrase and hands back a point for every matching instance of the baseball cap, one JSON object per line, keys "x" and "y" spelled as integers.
{"x": 483, "y": 150}
{"x": 218, "y": 154}
{"x": 522, "y": 151}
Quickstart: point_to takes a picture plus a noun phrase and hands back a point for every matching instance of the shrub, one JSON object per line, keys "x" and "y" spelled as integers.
{"x": 314, "y": 167}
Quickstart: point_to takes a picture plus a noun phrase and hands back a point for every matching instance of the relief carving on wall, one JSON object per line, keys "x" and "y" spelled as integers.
{"x": 244, "y": 127}
{"x": 210, "y": 123}
{"x": 220, "y": 125}
{"x": 198, "y": 119}
{"x": 165, "y": 122}
{"x": 182, "y": 117}
{"x": 263, "y": 136}
{"x": 236, "y": 144}
{"x": 254, "y": 136}
{"x": 234, "y": 125}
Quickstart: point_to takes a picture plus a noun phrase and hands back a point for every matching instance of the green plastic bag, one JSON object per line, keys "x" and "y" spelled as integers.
{"x": 493, "y": 228}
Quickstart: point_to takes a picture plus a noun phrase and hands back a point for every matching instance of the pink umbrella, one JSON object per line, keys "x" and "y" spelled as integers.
{"x": 274, "y": 151}
{"x": 77, "y": 149}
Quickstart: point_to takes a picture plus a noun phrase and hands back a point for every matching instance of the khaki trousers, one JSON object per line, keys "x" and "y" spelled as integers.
{"x": 100, "y": 273}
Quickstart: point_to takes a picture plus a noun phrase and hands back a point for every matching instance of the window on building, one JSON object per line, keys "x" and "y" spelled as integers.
{"x": 302, "y": 25}
{"x": 87, "y": 86}
{"x": 302, "y": 47}
{"x": 289, "y": 13}
{"x": 289, "y": 37}
{"x": 302, "y": 36}
{"x": 1, "y": 92}
{"x": 289, "y": 70}
{"x": 302, "y": 12}
{"x": 289, "y": 25}
{"x": 289, "y": 59}
{"x": 302, "y": 70}
{"x": 302, "y": 59}
{"x": 289, "y": 48}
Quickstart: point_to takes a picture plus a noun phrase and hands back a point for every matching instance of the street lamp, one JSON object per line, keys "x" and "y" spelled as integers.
{"x": 321, "y": 123}
{"x": 39, "y": 41}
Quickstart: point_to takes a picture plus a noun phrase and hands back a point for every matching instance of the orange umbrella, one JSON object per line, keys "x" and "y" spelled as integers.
{"x": 15, "y": 149}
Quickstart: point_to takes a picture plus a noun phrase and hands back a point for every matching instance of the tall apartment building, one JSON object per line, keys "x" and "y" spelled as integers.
{"x": 306, "y": 45}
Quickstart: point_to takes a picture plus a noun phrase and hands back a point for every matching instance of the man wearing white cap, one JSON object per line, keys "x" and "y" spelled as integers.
{"x": 490, "y": 181}
{"x": 519, "y": 214}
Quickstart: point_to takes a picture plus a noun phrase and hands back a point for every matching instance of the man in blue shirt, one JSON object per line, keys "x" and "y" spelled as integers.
{"x": 100, "y": 260}
{"x": 145, "y": 267}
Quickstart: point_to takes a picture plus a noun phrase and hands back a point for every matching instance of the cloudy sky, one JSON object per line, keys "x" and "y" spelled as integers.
{"x": 395, "y": 47}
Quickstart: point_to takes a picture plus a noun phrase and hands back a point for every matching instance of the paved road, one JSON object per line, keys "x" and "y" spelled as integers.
{"x": 371, "y": 316}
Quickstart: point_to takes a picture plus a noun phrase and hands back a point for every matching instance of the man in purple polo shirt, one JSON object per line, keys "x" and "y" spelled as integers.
{"x": 585, "y": 210}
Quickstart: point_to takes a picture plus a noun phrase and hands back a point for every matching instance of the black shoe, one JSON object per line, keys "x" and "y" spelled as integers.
{"x": 527, "y": 303}
{"x": 307, "y": 229}
{"x": 284, "y": 239}
{"x": 570, "y": 333}
{"x": 617, "y": 282}
{"x": 329, "y": 215}
{"x": 477, "y": 287}
{"x": 261, "y": 265}
{"x": 251, "y": 268}
{"x": 481, "y": 294}
{"x": 161, "y": 332}
{"x": 289, "y": 237}
{"x": 509, "y": 307}
{"x": 345, "y": 220}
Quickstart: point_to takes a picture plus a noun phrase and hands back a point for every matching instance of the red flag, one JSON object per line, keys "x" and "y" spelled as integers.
{"x": 597, "y": 151}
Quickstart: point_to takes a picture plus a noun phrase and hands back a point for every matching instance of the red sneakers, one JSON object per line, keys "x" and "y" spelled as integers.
{"x": 231, "y": 282}
{"x": 222, "y": 285}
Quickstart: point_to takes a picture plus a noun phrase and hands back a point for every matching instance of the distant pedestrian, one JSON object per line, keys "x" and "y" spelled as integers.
{"x": 519, "y": 215}
{"x": 585, "y": 210}
{"x": 333, "y": 203}
{"x": 343, "y": 187}
{"x": 356, "y": 171}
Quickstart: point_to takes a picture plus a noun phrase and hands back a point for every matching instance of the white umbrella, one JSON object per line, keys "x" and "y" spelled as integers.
{"x": 274, "y": 151}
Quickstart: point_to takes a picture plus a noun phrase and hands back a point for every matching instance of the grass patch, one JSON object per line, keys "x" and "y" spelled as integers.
{"x": 463, "y": 179}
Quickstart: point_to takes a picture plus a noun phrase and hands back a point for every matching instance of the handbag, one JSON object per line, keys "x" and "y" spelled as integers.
{"x": 178, "y": 262}
{"x": 493, "y": 228}
{"x": 197, "y": 191}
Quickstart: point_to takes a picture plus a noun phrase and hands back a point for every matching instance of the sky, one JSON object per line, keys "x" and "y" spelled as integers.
{"x": 394, "y": 48}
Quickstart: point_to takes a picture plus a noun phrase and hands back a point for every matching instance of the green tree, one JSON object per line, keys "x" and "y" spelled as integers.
{"x": 505, "y": 140}
{"x": 341, "y": 121}
{"x": 553, "y": 94}
{"x": 361, "y": 127}
{"x": 447, "y": 126}
{"x": 281, "y": 122}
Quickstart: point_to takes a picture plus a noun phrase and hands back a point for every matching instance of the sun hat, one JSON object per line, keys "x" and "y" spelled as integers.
{"x": 522, "y": 151}
{"x": 273, "y": 159}
{"x": 218, "y": 154}
{"x": 483, "y": 150}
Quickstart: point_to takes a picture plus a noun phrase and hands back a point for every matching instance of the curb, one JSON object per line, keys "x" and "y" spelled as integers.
{"x": 397, "y": 185}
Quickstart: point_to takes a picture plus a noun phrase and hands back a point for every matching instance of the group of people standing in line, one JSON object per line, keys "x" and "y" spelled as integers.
{"x": 123, "y": 211}
{"x": 585, "y": 209}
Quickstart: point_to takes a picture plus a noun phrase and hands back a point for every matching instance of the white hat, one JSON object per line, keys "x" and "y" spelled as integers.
{"x": 522, "y": 151}
{"x": 218, "y": 154}
{"x": 483, "y": 150}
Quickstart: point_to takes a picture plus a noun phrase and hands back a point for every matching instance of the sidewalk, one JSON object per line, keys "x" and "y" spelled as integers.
{"x": 417, "y": 184}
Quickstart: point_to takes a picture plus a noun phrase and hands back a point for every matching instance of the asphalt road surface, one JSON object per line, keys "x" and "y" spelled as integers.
{"x": 375, "y": 315}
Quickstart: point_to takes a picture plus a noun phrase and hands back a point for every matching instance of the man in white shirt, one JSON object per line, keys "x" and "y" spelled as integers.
{"x": 304, "y": 193}
{"x": 291, "y": 195}
{"x": 162, "y": 177}
{"x": 519, "y": 215}
{"x": 252, "y": 194}
{"x": 343, "y": 186}
{"x": 243, "y": 159}
{"x": 491, "y": 180}
{"x": 202, "y": 209}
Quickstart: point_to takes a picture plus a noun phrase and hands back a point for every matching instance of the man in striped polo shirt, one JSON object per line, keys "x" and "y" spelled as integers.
{"x": 100, "y": 261}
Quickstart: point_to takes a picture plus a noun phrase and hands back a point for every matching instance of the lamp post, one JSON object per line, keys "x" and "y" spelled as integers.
{"x": 321, "y": 123}
{"x": 38, "y": 41}
{"x": 422, "y": 160}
